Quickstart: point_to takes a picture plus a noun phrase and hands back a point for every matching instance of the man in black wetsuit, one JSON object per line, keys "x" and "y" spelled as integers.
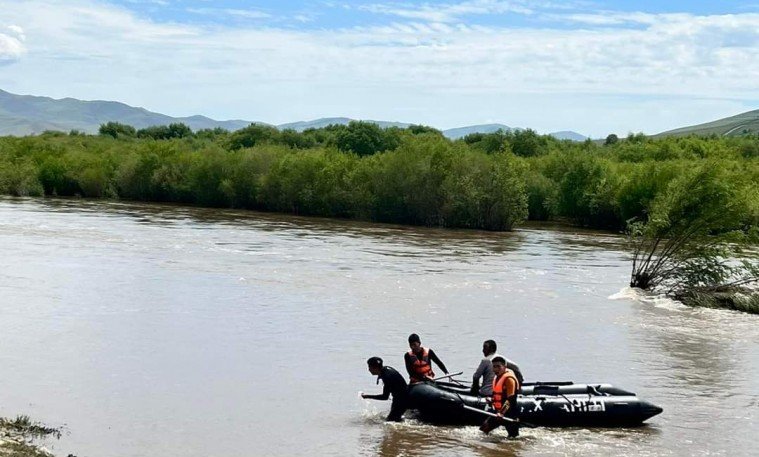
{"x": 394, "y": 385}
{"x": 418, "y": 360}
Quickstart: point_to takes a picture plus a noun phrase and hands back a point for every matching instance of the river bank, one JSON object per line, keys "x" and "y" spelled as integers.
{"x": 20, "y": 437}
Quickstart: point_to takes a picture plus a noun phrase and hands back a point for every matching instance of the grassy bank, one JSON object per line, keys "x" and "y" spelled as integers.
{"x": 744, "y": 300}
{"x": 18, "y": 436}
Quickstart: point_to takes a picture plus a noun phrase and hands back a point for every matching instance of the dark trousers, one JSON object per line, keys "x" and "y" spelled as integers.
{"x": 397, "y": 409}
{"x": 493, "y": 423}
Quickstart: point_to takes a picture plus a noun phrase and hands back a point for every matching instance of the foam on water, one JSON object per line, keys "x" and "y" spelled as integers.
{"x": 659, "y": 301}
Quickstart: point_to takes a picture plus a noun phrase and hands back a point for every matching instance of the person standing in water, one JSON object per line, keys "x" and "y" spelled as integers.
{"x": 418, "y": 360}
{"x": 485, "y": 370}
{"x": 393, "y": 384}
{"x": 505, "y": 392}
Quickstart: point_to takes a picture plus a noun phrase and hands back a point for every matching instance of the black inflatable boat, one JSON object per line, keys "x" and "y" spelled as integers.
{"x": 560, "y": 404}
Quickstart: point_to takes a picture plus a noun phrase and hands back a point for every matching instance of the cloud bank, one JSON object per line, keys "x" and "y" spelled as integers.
{"x": 428, "y": 66}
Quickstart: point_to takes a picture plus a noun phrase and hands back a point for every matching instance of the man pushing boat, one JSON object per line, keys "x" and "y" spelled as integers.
{"x": 393, "y": 384}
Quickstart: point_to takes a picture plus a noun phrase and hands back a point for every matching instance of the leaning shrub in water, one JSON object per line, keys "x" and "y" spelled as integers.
{"x": 698, "y": 244}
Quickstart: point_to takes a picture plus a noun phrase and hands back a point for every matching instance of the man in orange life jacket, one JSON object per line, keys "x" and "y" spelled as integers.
{"x": 505, "y": 388}
{"x": 418, "y": 360}
{"x": 394, "y": 385}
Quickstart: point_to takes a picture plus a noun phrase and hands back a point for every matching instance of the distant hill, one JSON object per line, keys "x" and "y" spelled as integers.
{"x": 325, "y": 121}
{"x": 28, "y": 114}
{"x": 461, "y": 132}
{"x": 742, "y": 124}
{"x": 568, "y": 135}
{"x": 454, "y": 133}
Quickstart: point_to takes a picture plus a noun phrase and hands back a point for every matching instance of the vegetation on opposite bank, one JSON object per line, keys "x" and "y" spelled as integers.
{"x": 409, "y": 176}
{"x": 417, "y": 176}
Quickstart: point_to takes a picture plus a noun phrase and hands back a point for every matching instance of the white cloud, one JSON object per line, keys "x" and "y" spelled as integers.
{"x": 240, "y": 13}
{"x": 11, "y": 44}
{"x": 438, "y": 73}
{"x": 17, "y": 31}
{"x": 304, "y": 18}
{"x": 449, "y": 12}
{"x": 609, "y": 18}
{"x": 456, "y": 11}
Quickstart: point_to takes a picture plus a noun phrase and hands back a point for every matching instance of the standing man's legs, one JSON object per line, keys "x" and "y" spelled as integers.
{"x": 492, "y": 423}
{"x": 396, "y": 410}
{"x": 489, "y": 425}
{"x": 512, "y": 428}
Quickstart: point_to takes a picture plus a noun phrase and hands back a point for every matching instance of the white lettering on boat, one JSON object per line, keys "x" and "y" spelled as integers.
{"x": 584, "y": 406}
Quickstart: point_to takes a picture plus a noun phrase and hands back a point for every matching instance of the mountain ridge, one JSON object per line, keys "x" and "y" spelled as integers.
{"x": 31, "y": 114}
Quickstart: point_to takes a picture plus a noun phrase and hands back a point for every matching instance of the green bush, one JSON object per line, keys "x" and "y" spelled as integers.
{"x": 411, "y": 176}
{"x": 542, "y": 197}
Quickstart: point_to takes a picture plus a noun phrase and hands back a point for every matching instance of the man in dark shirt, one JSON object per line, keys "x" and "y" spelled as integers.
{"x": 418, "y": 360}
{"x": 394, "y": 385}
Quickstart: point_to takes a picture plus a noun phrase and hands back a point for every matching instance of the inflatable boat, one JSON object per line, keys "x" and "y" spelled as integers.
{"x": 559, "y": 404}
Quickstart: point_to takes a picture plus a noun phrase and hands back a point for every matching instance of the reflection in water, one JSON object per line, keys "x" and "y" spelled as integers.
{"x": 415, "y": 439}
{"x": 450, "y": 242}
{"x": 162, "y": 330}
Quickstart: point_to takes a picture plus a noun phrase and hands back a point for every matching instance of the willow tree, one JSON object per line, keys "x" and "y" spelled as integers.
{"x": 699, "y": 243}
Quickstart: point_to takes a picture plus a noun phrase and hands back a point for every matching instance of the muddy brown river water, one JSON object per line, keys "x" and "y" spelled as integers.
{"x": 155, "y": 330}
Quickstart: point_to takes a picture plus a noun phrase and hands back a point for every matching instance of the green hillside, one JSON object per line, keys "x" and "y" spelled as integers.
{"x": 28, "y": 114}
{"x": 742, "y": 124}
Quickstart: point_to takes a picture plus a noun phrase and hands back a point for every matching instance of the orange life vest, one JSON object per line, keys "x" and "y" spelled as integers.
{"x": 422, "y": 368}
{"x": 499, "y": 386}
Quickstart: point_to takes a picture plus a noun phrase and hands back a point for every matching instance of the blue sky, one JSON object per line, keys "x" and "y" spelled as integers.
{"x": 592, "y": 67}
{"x": 339, "y": 14}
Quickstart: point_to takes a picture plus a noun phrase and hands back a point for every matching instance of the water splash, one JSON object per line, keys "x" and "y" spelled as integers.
{"x": 657, "y": 300}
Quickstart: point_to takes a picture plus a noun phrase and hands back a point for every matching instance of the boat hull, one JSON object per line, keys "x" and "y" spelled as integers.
{"x": 564, "y": 407}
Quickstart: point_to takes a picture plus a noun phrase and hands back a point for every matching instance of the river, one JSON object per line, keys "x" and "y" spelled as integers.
{"x": 152, "y": 330}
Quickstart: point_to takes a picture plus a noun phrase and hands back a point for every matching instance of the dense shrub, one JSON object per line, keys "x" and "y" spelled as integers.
{"x": 411, "y": 176}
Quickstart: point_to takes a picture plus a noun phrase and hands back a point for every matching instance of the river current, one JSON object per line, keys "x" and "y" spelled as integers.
{"x": 152, "y": 330}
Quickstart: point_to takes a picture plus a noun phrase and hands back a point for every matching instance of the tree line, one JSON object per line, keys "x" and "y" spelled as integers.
{"x": 403, "y": 175}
